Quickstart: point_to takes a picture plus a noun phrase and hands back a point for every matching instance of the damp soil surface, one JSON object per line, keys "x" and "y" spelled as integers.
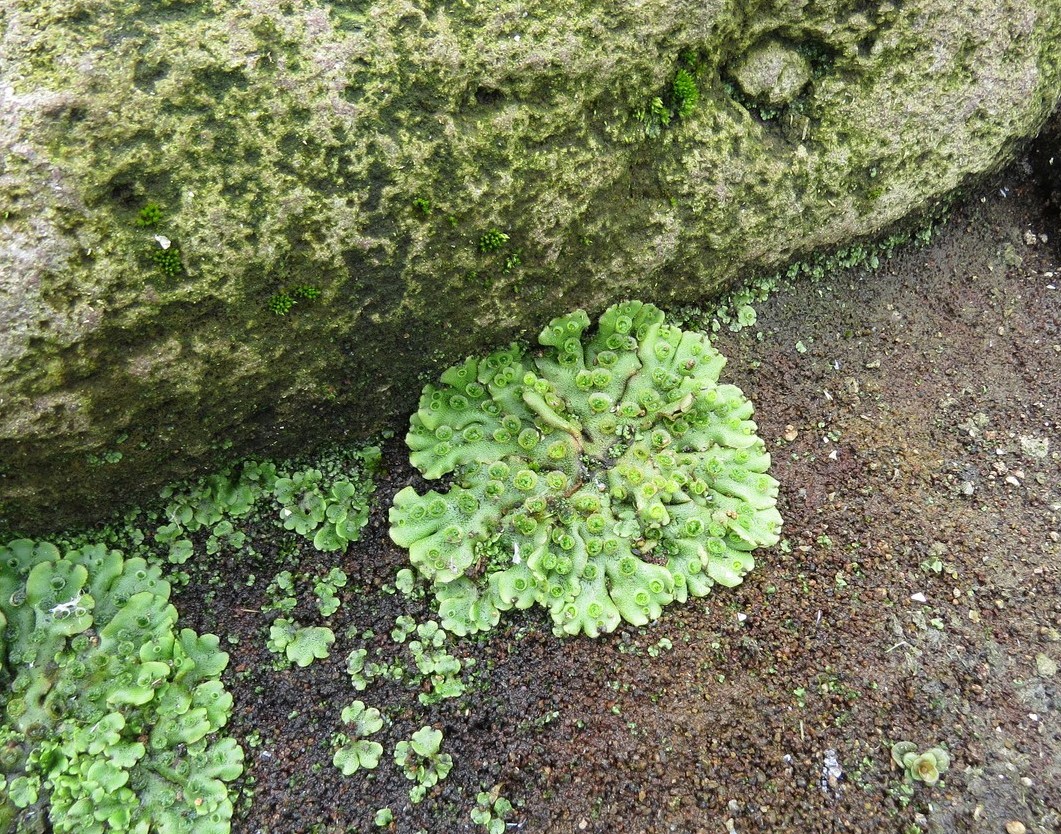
{"x": 913, "y": 414}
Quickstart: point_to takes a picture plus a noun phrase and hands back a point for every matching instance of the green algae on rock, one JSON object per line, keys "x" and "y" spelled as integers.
{"x": 276, "y": 145}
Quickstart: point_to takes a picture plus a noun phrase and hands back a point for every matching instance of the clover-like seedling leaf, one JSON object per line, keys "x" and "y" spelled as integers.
{"x": 404, "y": 625}
{"x": 354, "y": 752}
{"x": 927, "y": 767}
{"x": 328, "y": 538}
{"x": 941, "y": 757}
{"x": 602, "y": 478}
{"x": 405, "y": 582}
{"x": 180, "y": 551}
{"x": 327, "y": 605}
{"x": 420, "y": 759}
{"x": 924, "y": 767}
{"x": 426, "y": 741}
{"x": 23, "y": 790}
{"x": 900, "y": 750}
{"x": 309, "y": 643}
{"x": 491, "y": 811}
{"x": 337, "y": 578}
{"x": 363, "y": 721}
{"x": 357, "y": 755}
{"x": 330, "y": 512}
{"x": 281, "y": 633}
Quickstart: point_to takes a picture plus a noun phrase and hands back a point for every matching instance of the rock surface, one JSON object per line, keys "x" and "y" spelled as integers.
{"x": 174, "y": 172}
{"x": 773, "y": 73}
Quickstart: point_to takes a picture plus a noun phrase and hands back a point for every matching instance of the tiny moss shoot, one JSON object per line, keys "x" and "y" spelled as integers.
{"x": 150, "y": 215}
{"x": 492, "y": 240}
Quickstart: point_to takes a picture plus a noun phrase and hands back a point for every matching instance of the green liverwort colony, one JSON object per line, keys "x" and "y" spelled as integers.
{"x": 603, "y": 479}
{"x": 111, "y": 715}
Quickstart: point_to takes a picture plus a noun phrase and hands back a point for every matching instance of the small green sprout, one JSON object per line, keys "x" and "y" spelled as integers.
{"x": 686, "y": 93}
{"x": 383, "y": 818}
{"x": 327, "y": 605}
{"x": 512, "y": 261}
{"x": 280, "y": 304}
{"x": 301, "y": 644}
{"x": 492, "y": 240}
{"x": 353, "y": 752}
{"x": 436, "y": 665}
{"x": 746, "y": 316}
{"x": 281, "y": 593}
{"x": 664, "y": 645}
{"x": 491, "y": 811}
{"x": 360, "y": 672}
{"x": 404, "y": 625}
{"x": 924, "y": 767}
{"x": 150, "y": 215}
{"x": 423, "y": 204}
{"x": 420, "y": 760}
{"x": 330, "y": 513}
{"x": 23, "y": 790}
{"x": 324, "y": 589}
{"x": 405, "y": 582}
{"x": 305, "y": 291}
{"x": 167, "y": 260}
{"x": 363, "y": 720}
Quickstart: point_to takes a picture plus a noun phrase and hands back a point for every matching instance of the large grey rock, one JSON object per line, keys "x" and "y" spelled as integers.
{"x": 364, "y": 149}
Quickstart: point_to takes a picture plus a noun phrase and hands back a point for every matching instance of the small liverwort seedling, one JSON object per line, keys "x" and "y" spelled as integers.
{"x": 491, "y": 811}
{"x": 924, "y": 767}
{"x": 421, "y": 760}
{"x": 353, "y": 752}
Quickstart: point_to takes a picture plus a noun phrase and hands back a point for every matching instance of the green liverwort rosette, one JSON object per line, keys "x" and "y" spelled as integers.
{"x": 602, "y": 478}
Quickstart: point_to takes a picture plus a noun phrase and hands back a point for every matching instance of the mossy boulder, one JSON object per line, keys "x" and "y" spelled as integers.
{"x": 258, "y": 224}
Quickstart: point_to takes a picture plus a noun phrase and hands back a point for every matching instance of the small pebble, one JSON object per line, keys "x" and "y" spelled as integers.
{"x": 1015, "y": 827}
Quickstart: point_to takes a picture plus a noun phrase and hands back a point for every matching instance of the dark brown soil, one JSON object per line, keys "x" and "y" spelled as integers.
{"x": 913, "y": 413}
